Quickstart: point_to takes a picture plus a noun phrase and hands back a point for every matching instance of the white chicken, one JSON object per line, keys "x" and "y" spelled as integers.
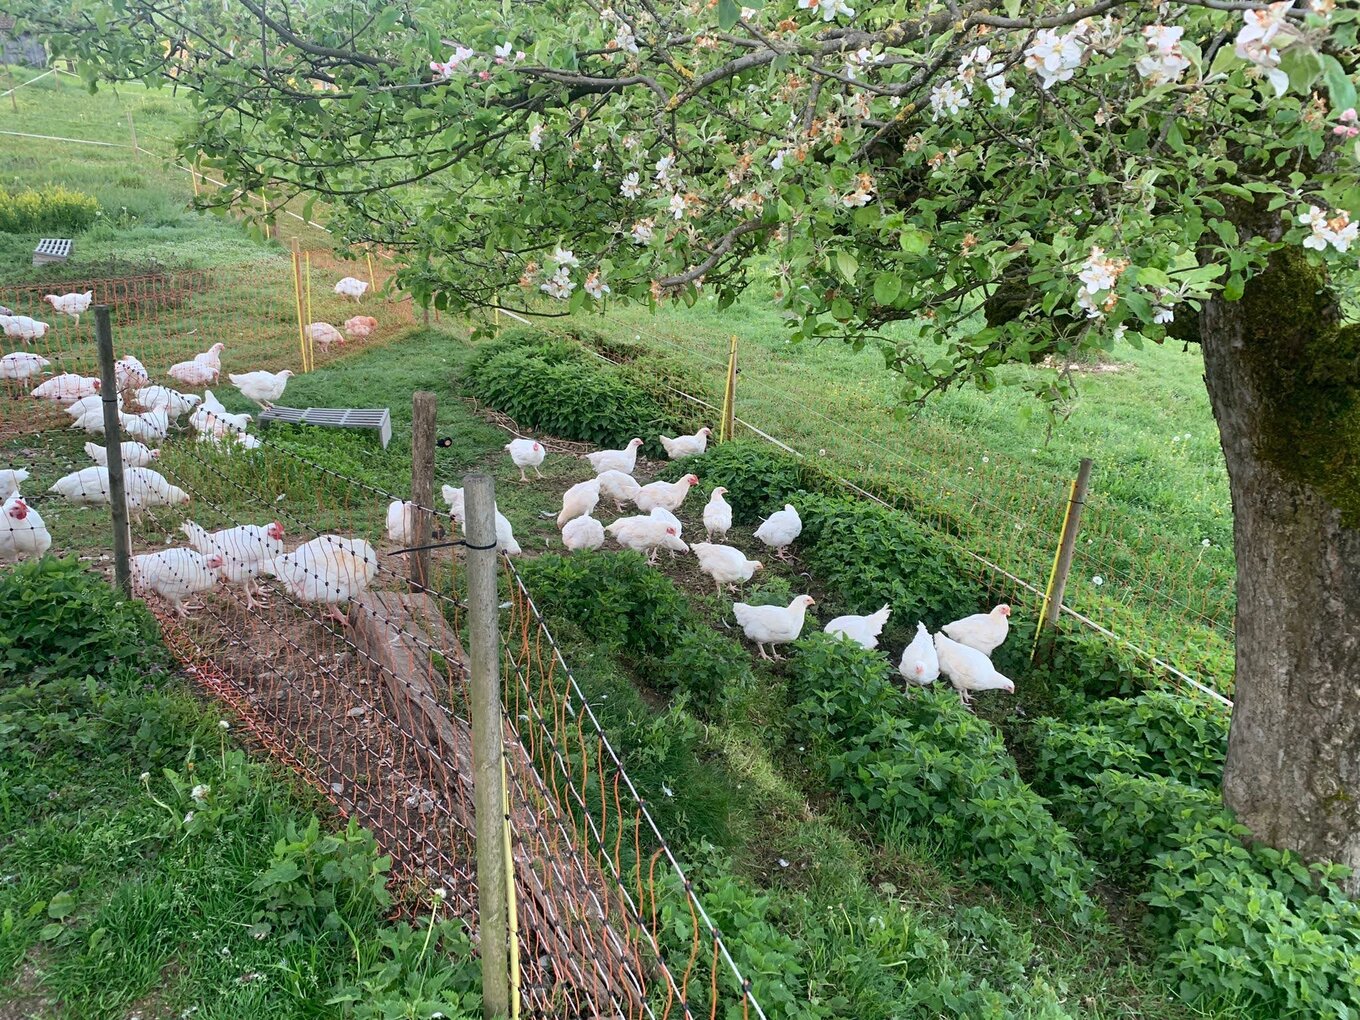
{"x": 93, "y": 403}
{"x": 864, "y": 630}
{"x": 149, "y": 426}
{"x": 505, "y": 535}
{"x": 244, "y": 551}
{"x": 22, "y": 531}
{"x": 90, "y": 421}
{"x": 619, "y": 486}
{"x": 21, "y": 327}
{"x": 175, "y": 574}
{"x": 203, "y": 370}
{"x": 780, "y": 529}
{"x": 262, "y": 387}
{"x": 583, "y": 533}
{"x": 664, "y": 494}
{"x": 324, "y": 334}
{"x": 615, "y": 460}
{"x": 454, "y": 498}
{"x": 351, "y": 287}
{"x": 725, "y": 564}
{"x": 920, "y": 663}
{"x": 401, "y": 522}
{"x": 143, "y": 488}
{"x": 969, "y": 669}
{"x": 686, "y": 446}
{"x": 22, "y": 365}
{"x": 66, "y": 388}
{"x": 360, "y": 326}
{"x": 662, "y": 514}
{"x": 10, "y": 480}
{"x": 130, "y": 374}
{"x": 717, "y": 515}
{"x": 163, "y": 398}
{"x": 216, "y": 420}
{"x": 74, "y": 305}
{"x": 526, "y": 453}
{"x": 330, "y": 569}
{"x": 579, "y": 501}
{"x": 773, "y": 625}
{"x": 133, "y": 454}
{"x": 983, "y": 631}
{"x": 646, "y": 534}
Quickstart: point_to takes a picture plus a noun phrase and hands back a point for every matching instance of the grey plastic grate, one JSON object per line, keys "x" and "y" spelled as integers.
{"x": 377, "y": 418}
{"x": 52, "y": 249}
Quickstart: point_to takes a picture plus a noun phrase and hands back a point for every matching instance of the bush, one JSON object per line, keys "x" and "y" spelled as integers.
{"x": 322, "y": 884}
{"x": 758, "y": 480}
{"x": 1075, "y": 753}
{"x": 928, "y": 763}
{"x": 1123, "y": 821}
{"x": 869, "y": 554}
{"x": 1257, "y": 929}
{"x": 709, "y": 669}
{"x": 58, "y": 620}
{"x": 1183, "y": 737}
{"x": 50, "y": 209}
{"x": 1092, "y": 664}
{"x": 554, "y": 386}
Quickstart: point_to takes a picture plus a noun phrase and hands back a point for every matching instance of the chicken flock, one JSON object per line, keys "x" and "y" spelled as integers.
{"x": 328, "y": 570}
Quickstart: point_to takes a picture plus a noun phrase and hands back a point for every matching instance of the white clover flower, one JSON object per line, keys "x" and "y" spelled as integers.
{"x": 146, "y": 777}
{"x": 1097, "y": 580}
{"x": 631, "y": 186}
{"x": 222, "y": 724}
{"x": 1206, "y": 543}
{"x": 783, "y": 863}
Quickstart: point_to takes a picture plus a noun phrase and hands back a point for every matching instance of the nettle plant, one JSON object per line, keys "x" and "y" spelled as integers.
{"x": 1012, "y": 178}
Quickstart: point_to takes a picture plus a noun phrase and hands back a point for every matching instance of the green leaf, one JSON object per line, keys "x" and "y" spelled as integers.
{"x": 886, "y": 288}
{"x": 1302, "y": 65}
{"x": 729, "y": 13}
{"x": 1339, "y": 84}
{"x": 61, "y": 905}
{"x": 914, "y": 241}
{"x": 846, "y": 265}
{"x": 1233, "y": 289}
{"x": 1149, "y": 277}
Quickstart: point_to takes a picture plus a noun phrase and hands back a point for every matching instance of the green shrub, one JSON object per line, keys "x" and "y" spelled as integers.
{"x": 555, "y": 386}
{"x": 1123, "y": 820}
{"x": 1090, "y": 663}
{"x": 1184, "y": 737}
{"x": 709, "y": 669}
{"x": 50, "y": 209}
{"x": 322, "y": 884}
{"x": 59, "y": 620}
{"x": 1075, "y": 753}
{"x": 869, "y": 554}
{"x": 1256, "y": 929}
{"x": 758, "y": 480}
{"x": 414, "y": 975}
{"x": 614, "y": 597}
{"x": 925, "y": 762}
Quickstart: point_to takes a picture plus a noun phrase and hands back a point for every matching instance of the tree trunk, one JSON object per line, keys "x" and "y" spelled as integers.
{"x": 1284, "y": 381}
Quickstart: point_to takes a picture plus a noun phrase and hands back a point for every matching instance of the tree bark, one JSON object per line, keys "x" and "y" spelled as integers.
{"x": 1284, "y": 382}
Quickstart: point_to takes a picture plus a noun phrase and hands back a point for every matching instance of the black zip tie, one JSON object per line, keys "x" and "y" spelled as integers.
{"x": 444, "y": 545}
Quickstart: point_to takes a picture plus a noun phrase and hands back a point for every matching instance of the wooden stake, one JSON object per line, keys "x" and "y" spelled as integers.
{"x": 422, "y": 484}
{"x": 727, "y": 427}
{"x": 487, "y": 744}
{"x": 108, "y": 388}
{"x": 132, "y": 129}
{"x": 1062, "y": 562}
{"x": 297, "y": 297}
{"x": 311, "y": 342}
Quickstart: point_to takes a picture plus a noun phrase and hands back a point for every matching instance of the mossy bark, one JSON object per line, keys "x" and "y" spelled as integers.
{"x": 1284, "y": 381}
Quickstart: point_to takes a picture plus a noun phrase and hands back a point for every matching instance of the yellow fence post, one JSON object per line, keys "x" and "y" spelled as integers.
{"x": 372, "y": 280}
{"x": 1062, "y": 559}
{"x": 297, "y": 298}
{"x": 512, "y": 913}
{"x": 311, "y": 343}
{"x": 727, "y": 427}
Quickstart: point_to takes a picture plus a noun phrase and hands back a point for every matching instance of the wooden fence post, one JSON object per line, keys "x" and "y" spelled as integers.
{"x": 132, "y": 130}
{"x": 488, "y": 784}
{"x": 108, "y": 388}
{"x": 727, "y": 427}
{"x": 1062, "y": 561}
{"x": 297, "y": 297}
{"x": 422, "y": 484}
